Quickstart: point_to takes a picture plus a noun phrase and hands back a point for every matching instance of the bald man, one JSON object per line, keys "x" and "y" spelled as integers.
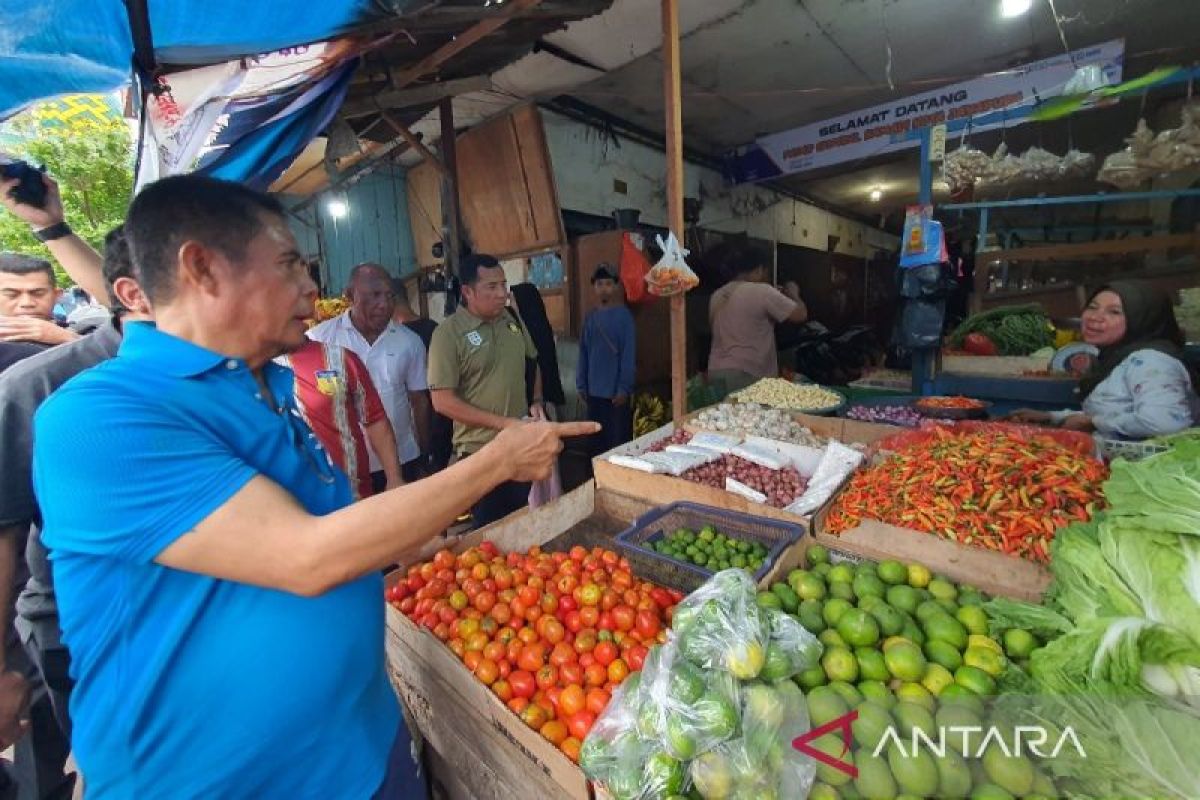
{"x": 395, "y": 359}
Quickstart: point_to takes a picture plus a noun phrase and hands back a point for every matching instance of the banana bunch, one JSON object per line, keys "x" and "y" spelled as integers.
{"x": 649, "y": 414}
{"x": 330, "y": 307}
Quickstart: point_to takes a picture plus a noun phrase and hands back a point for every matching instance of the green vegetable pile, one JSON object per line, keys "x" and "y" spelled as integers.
{"x": 710, "y": 548}
{"x": 1015, "y": 330}
{"x": 1124, "y": 667}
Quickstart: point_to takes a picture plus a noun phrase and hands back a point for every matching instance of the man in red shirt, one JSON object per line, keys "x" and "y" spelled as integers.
{"x": 338, "y": 400}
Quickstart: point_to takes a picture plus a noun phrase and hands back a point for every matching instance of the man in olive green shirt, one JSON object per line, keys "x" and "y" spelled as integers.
{"x": 477, "y": 374}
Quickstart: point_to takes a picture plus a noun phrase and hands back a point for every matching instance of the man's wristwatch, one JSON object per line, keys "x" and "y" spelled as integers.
{"x": 56, "y": 231}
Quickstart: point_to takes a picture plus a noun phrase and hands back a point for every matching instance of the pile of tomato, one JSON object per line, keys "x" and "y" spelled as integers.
{"x": 552, "y": 634}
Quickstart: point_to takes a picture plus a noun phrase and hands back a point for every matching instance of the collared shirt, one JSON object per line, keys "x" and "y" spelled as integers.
{"x": 396, "y": 361}
{"x": 23, "y": 389}
{"x": 188, "y": 685}
{"x": 484, "y": 363}
{"x": 607, "y": 353}
{"x": 337, "y": 398}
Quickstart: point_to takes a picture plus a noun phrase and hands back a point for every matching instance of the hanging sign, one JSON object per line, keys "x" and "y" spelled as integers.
{"x": 886, "y": 127}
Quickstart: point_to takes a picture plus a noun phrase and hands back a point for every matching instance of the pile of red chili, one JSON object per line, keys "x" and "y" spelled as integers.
{"x": 1002, "y": 491}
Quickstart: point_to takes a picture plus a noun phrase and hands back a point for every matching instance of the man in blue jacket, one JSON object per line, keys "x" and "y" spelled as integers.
{"x": 607, "y": 357}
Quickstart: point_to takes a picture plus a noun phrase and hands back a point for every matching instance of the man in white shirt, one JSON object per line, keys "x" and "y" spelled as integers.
{"x": 395, "y": 357}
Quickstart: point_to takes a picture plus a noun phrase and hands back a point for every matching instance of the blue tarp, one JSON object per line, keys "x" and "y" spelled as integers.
{"x": 52, "y": 47}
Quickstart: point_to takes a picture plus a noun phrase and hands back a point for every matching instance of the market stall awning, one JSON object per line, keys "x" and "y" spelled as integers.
{"x": 69, "y": 46}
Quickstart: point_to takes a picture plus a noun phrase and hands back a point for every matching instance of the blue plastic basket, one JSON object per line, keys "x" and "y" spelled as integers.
{"x": 655, "y": 525}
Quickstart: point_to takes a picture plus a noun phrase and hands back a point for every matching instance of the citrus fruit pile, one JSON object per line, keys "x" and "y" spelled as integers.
{"x": 906, "y": 649}
{"x": 552, "y": 634}
{"x": 710, "y": 548}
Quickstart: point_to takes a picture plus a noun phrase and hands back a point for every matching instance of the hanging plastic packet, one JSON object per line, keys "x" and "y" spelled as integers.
{"x": 705, "y": 456}
{"x": 641, "y": 465}
{"x": 739, "y": 488}
{"x": 762, "y": 456}
{"x": 715, "y": 442}
{"x": 836, "y": 465}
{"x": 671, "y": 275}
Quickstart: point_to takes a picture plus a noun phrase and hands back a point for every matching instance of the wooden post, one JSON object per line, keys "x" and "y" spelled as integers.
{"x": 674, "y": 135}
{"x": 451, "y": 217}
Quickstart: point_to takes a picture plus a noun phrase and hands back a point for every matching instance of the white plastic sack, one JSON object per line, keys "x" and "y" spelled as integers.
{"x": 836, "y": 465}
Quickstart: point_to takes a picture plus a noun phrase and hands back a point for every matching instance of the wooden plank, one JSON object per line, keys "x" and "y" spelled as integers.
{"x": 416, "y": 95}
{"x": 673, "y": 103}
{"x": 538, "y": 171}
{"x": 414, "y": 142}
{"x": 460, "y": 42}
{"x": 424, "y": 187}
{"x": 1082, "y": 250}
{"x": 451, "y": 208}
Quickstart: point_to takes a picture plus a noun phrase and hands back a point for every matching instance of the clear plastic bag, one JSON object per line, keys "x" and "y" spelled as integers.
{"x": 836, "y": 465}
{"x": 757, "y": 454}
{"x": 640, "y": 464}
{"x": 715, "y": 442}
{"x": 721, "y": 627}
{"x": 791, "y": 649}
{"x": 671, "y": 275}
{"x": 628, "y": 766}
{"x": 762, "y": 762}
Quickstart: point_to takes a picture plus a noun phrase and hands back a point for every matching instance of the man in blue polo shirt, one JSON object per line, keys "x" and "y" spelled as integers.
{"x": 220, "y": 596}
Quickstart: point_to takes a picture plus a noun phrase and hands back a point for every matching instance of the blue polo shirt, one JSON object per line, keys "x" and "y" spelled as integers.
{"x": 189, "y": 686}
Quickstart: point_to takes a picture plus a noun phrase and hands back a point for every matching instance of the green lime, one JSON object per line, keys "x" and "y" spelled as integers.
{"x": 1019, "y": 643}
{"x": 973, "y": 618}
{"x": 841, "y": 572}
{"x": 905, "y": 661}
{"x": 809, "y": 587}
{"x": 871, "y": 666}
{"x": 858, "y": 628}
{"x": 816, "y": 554}
{"x": 877, "y": 692}
{"x": 811, "y": 616}
{"x": 893, "y": 572}
{"x": 839, "y": 664}
{"x": 825, "y": 705}
{"x": 810, "y": 679}
{"x": 976, "y": 680}
{"x": 903, "y": 598}
{"x": 943, "y": 653}
{"x": 835, "y": 609}
{"x": 841, "y": 590}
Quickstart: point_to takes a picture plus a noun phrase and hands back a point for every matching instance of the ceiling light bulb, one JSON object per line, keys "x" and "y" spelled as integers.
{"x": 337, "y": 208}
{"x": 876, "y": 195}
{"x": 1014, "y": 8}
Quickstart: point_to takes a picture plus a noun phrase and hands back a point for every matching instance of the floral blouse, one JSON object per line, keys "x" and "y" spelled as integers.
{"x": 1148, "y": 394}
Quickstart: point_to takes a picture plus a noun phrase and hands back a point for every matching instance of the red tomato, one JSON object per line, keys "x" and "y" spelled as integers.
{"x": 528, "y": 594}
{"x": 532, "y": 657}
{"x": 503, "y": 577}
{"x": 580, "y": 723}
{"x": 514, "y": 651}
{"x": 546, "y": 676}
{"x": 456, "y": 646}
{"x": 605, "y": 653}
{"x": 595, "y": 675}
{"x": 597, "y": 700}
{"x": 489, "y": 548}
{"x": 562, "y": 654}
{"x": 566, "y": 584}
{"x": 590, "y": 594}
{"x": 554, "y": 732}
{"x": 574, "y": 621}
{"x": 518, "y": 704}
{"x": 489, "y": 627}
{"x": 662, "y": 597}
{"x": 567, "y": 603}
{"x": 553, "y": 631}
{"x": 527, "y": 635}
{"x": 636, "y": 657}
{"x": 586, "y": 660}
{"x": 549, "y": 603}
{"x": 578, "y": 553}
{"x": 553, "y": 694}
{"x": 570, "y": 672}
{"x": 407, "y": 605}
{"x": 487, "y": 672}
{"x": 494, "y": 651}
{"x": 505, "y": 668}
{"x": 618, "y": 671}
{"x": 441, "y": 631}
{"x": 585, "y": 641}
{"x": 523, "y": 683}
{"x": 609, "y": 600}
{"x": 572, "y": 700}
{"x": 501, "y": 613}
{"x": 535, "y": 716}
{"x": 447, "y": 616}
{"x": 503, "y": 690}
{"x": 606, "y": 622}
{"x": 472, "y": 659}
{"x": 647, "y": 624}
{"x": 590, "y": 616}
{"x": 443, "y": 559}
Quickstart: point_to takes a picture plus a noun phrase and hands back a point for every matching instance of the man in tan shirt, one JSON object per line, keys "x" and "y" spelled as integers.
{"x": 743, "y": 314}
{"x": 477, "y": 363}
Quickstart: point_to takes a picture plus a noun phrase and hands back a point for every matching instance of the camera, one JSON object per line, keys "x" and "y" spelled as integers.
{"x": 31, "y": 190}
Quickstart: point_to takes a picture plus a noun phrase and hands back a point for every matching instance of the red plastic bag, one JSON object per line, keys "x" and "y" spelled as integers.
{"x": 634, "y": 269}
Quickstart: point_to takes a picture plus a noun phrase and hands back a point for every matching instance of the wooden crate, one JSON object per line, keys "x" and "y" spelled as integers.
{"x": 668, "y": 489}
{"x": 479, "y": 748}
{"x": 994, "y": 573}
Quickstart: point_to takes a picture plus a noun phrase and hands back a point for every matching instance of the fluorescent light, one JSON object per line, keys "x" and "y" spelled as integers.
{"x": 337, "y": 208}
{"x": 876, "y": 195}
{"x": 1014, "y": 8}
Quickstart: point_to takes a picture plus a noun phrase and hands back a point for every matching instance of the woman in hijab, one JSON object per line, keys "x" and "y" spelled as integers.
{"x": 1139, "y": 387}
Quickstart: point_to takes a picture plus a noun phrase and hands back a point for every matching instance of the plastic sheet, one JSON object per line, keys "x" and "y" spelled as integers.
{"x": 837, "y": 464}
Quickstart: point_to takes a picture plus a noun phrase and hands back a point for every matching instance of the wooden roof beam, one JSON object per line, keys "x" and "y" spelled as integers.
{"x": 415, "y": 95}
{"x": 414, "y": 142}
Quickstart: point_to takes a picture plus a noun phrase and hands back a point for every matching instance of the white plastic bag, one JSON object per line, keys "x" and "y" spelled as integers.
{"x": 715, "y": 442}
{"x": 837, "y": 463}
{"x": 641, "y": 465}
{"x": 671, "y": 275}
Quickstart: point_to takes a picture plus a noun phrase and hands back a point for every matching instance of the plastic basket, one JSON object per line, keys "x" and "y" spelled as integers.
{"x": 1112, "y": 449}
{"x": 653, "y": 526}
